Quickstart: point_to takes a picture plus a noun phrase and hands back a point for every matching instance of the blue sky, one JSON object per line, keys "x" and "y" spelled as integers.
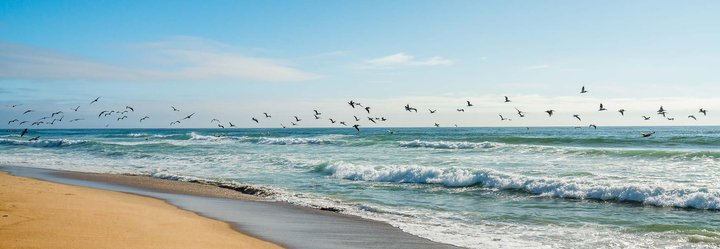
{"x": 233, "y": 60}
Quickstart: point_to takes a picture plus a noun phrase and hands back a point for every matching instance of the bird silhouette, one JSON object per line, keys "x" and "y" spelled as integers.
{"x": 583, "y": 90}
{"x": 96, "y": 100}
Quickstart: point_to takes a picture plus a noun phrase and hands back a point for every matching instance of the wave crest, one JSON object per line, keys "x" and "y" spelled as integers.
{"x": 553, "y": 188}
{"x": 447, "y": 144}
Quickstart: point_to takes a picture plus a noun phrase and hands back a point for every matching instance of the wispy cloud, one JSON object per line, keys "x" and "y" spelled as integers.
{"x": 191, "y": 59}
{"x": 538, "y": 67}
{"x": 403, "y": 59}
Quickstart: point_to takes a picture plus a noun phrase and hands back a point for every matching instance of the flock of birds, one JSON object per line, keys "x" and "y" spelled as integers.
{"x": 122, "y": 114}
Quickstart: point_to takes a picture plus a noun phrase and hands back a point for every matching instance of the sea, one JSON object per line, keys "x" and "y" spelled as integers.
{"x": 550, "y": 187}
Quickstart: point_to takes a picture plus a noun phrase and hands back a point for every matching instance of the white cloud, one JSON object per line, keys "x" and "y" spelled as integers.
{"x": 402, "y": 59}
{"x": 191, "y": 59}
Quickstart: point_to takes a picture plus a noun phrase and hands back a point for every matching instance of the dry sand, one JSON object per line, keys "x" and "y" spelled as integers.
{"x": 39, "y": 214}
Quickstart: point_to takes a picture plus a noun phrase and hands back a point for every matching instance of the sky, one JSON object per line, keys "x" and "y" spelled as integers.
{"x": 234, "y": 60}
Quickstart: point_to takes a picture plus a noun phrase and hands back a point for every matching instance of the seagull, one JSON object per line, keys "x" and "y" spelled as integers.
{"x": 231, "y": 124}
{"x": 461, "y": 110}
{"x": 297, "y": 119}
{"x": 622, "y": 112}
{"x": 221, "y": 126}
{"x": 671, "y": 119}
{"x": 692, "y": 116}
{"x": 507, "y": 99}
{"x": 316, "y": 112}
{"x": 593, "y": 126}
{"x": 267, "y": 115}
{"x": 101, "y": 113}
{"x": 501, "y": 118}
{"x": 13, "y": 106}
{"x": 432, "y": 111}
{"x": 76, "y": 108}
{"x": 21, "y": 123}
{"x": 55, "y": 113}
{"x": 174, "y": 109}
{"x": 343, "y": 123}
{"x": 215, "y": 120}
{"x": 143, "y": 118}
{"x": 13, "y": 121}
{"x": 367, "y": 109}
{"x": 75, "y": 120}
{"x": 130, "y": 108}
{"x": 175, "y": 122}
{"x": 550, "y": 112}
{"x": 371, "y": 119}
{"x": 356, "y": 118}
{"x": 437, "y": 125}
{"x": 647, "y": 134}
{"x": 118, "y": 119}
{"x": 189, "y": 116}
{"x": 646, "y": 117}
{"x": 96, "y": 100}
{"x": 293, "y": 124}
{"x": 577, "y": 116}
{"x": 703, "y": 111}
{"x": 583, "y": 90}
{"x": 662, "y": 111}
{"x": 520, "y": 113}
{"x": 37, "y": 123}
{"x": 24, "y": 132}
{"x": 357, "y": 127}
{"x": 383, "y": 119}
{"x": 332, "y": 121}
{"x": 316, "y": 116}
{"x": 283, "y": 126}
{"x": 468, "y": 103}
{"x": 28, "y": 111}
{"x": 602, "y": 108}
{"x": 352, "y": 103}
{"x": 255, "y": 119}
{"x": 34, "y": 139}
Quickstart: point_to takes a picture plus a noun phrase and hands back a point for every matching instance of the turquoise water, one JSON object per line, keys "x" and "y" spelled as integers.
{"x": 472, "y": 187}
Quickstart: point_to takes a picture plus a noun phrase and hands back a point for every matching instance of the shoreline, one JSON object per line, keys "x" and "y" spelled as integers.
{"x": 43, "y": 214}
{"x": 278, "y": 222}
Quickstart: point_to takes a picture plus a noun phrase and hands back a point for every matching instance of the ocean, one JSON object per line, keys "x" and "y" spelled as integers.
{"x": 471, "y": 187}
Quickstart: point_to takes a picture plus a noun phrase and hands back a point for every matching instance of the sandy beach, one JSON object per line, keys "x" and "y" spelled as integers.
{"x": 39, "y": 214}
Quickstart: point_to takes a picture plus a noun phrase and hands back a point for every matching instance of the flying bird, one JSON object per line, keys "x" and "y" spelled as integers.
{"x": 577, "y": 116}
{"x": 502, "y": 118}
{"x": 343, "y": 123}
{"x": 28, "y": 111}
{"x": 55, "y": 113}
{"x": 267, "y": 115}
{"x": 96, "y": 100}
{"x": 215, "y": 120}
{"x": 75, "y": 120}
{"x": 221, "y": 126}
{"x": 317, "y": 113}
{"x": 622, "y": 112}
{"x": 13, "y": 121}
{"x": 602, "y": 108}
{"x": 76, "y": 108}
{"x": 583, "y": 90}
{"x": 437, "y": 125}
{"x": 316, "y": 116}
{"x": 356, "y": 118}
{"x": 550, "y": 112}
{"x": 189, "y": 116}
{"x": 703, "y": 111}
{"x": 647, "y": 134}
{"x": 520, "y": 113}
{"x": 352, "y": 103}
{"x": 692, "y": 116}
{"x": 174, "y": 109}
{"x": 367, "y": 109}
{"x": 24, "y": 132}
{"x": 432, "y": 111}
{"x": 255, "y": 119}
{"x": 461, "y": 110}
{"x": 468, "y": 103}
{"x": 231, "y": 124}
{"x": 507, "y": 99}
{"x": 646, "y": 117}
{"x": 34, "y": 139}
{"x": 357, "y": 127}
{"x": 593, "y": 126}
{"x": 130, "y": 108}
{"x": 332, "y": 121}
{"x": 283, "y": 126}
{"x": 143, "y": 118}
{"x": 297, "y": 119}
{"x": 371, "y": 119}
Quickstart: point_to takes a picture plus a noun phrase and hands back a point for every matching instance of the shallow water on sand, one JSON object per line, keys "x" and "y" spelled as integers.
{"x": 472, "y": 187}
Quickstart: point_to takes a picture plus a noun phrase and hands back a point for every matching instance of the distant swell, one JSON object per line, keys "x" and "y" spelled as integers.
{"x": 447, "y": 144}
{"x": 556, "y": 188}
{"x": 43, "y": 143}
